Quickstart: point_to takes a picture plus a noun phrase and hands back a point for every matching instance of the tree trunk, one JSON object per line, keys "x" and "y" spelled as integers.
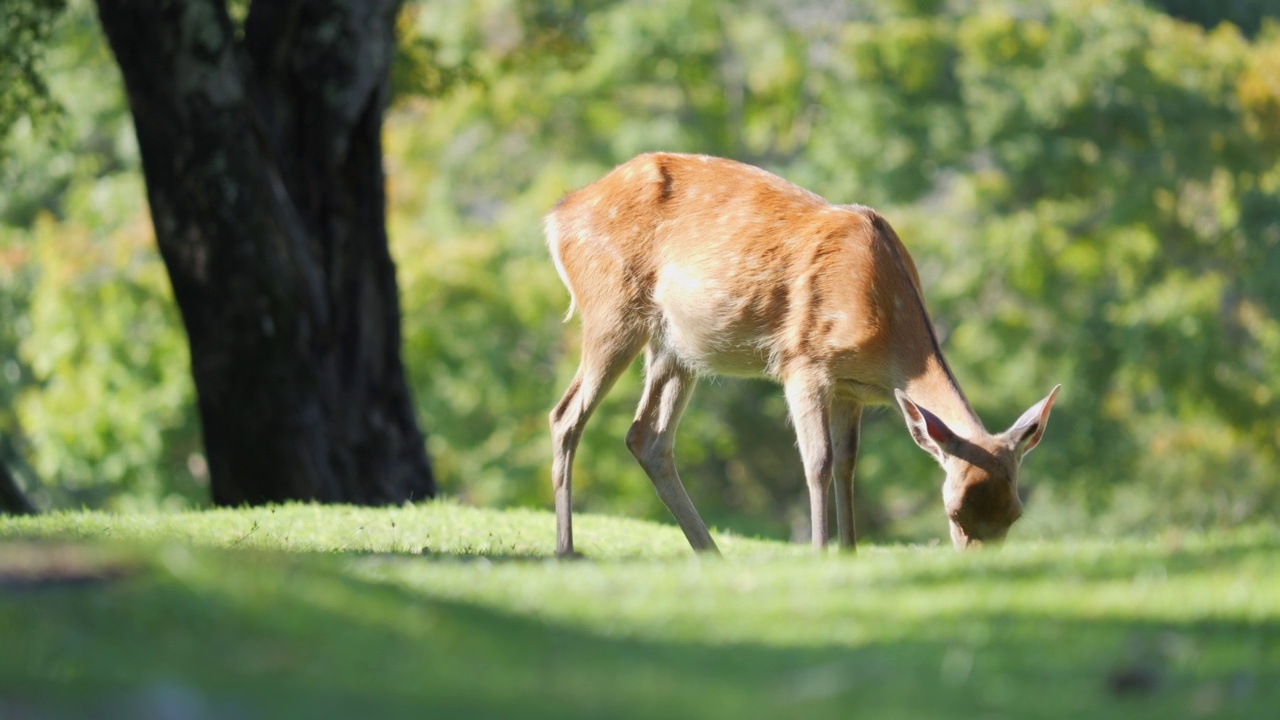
{"x": 263, "y": 165}
{"x": 12, "y": 501}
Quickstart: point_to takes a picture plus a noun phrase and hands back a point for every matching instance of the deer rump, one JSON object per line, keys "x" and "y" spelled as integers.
{"x": 738, "y": 271}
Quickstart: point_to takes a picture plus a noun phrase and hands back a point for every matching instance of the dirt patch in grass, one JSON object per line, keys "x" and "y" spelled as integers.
{"x": 26, "y": 566}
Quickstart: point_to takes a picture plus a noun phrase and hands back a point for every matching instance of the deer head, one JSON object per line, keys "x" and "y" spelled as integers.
{"x": 980, "y": 492}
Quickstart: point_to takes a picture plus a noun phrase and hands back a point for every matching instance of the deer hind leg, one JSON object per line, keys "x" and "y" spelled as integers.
{"x": 668, "y": 385}
{"x": 809, "y": 402}
{"x": 846, "y": 418}
{"x": 604, "y": 358}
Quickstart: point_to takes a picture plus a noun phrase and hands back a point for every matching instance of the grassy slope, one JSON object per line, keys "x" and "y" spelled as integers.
{"x": 332, "y": 612}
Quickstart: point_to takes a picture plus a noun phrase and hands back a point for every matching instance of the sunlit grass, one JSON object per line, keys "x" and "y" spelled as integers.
{"x": 443, "y": 610}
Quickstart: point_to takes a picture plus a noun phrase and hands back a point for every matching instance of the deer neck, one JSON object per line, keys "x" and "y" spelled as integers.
{"x": 934, "y": 388}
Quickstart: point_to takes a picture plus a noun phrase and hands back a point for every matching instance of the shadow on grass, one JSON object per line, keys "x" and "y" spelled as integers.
{"x": 1127, "y": 565}
{"x": 992, "y": 564}
{"x": 217, "y": 634}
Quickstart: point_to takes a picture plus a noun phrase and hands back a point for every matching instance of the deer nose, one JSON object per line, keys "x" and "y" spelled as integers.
{"x": 984, "y": 533}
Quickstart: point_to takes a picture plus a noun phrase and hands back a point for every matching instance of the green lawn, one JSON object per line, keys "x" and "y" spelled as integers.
{"x": 447, "y": 611}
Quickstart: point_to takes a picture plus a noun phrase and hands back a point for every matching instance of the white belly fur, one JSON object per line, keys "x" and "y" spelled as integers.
{"x": 710, "y": 330}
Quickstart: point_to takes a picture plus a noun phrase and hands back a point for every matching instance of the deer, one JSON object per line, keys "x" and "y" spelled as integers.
{"x": 714, "y": 267}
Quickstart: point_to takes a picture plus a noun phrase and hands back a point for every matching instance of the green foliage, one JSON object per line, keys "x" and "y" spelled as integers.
{"x": 1090, "y": 189}
{"x": 418, "y": 69}
{"x": 112, "y": 331}
{"x": 25, "y": 28}
{"x": 330, "y": 612}
{"x": 67, "y": 172}
{"x": 50, "y": 164}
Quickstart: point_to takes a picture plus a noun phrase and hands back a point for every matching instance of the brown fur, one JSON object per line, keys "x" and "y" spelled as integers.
{"x": 715, "y": 267}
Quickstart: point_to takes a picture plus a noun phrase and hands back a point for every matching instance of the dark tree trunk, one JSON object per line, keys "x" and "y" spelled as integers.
{"x": 12, "y": 501}
{"x": 263, "y": 165}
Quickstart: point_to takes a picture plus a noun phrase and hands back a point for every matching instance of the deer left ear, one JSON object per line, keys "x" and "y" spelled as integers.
{"x": 930, "y": 433}
{"x": 1029, "y": 428}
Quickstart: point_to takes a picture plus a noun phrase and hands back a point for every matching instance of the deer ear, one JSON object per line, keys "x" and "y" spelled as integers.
{"x": 1029, "y": 428}
{"x": 927, "y": 429}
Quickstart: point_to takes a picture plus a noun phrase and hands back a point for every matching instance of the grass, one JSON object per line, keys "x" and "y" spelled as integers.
{"x": 441, "y": 610}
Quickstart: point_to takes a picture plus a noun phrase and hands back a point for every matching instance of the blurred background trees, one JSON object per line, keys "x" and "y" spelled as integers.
{"x": 1091, "y": 191}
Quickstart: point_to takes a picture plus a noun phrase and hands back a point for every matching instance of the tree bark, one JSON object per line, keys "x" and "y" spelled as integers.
{"x": 263, "y": 166}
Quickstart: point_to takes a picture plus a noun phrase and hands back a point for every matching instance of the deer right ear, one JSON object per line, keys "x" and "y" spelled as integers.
{"x": 1028, "y": 429}
{"x": 927, "y": 429}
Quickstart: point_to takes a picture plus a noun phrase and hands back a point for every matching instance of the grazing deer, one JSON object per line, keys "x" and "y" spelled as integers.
{"x": 715, "y": 267}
